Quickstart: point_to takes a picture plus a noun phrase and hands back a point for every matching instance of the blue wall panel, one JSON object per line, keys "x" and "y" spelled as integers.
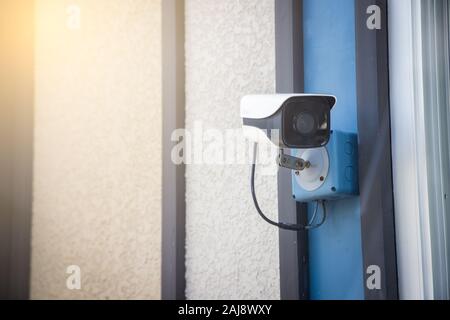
{"x": 329, "y": 53}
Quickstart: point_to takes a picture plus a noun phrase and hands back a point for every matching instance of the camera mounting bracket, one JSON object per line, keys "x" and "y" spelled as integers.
{"x": 293, "y": 163}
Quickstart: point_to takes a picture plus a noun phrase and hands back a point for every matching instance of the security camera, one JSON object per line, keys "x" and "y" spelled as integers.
{"x": 302, "y": 120}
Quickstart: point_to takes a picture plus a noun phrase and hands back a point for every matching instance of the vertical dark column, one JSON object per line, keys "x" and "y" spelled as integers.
{"x": 5, "y": 177}
{"x": 173, "y": 198}
{"x": 289, "y": 78}
{"x": 377, "y": 206}
{"x": 16, "y": 145}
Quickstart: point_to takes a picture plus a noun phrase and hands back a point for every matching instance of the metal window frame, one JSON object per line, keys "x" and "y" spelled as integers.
{"x": 375, "y": 159}
{"x": 416, "y": 93}
{"x": 173, "y": 283}
{"x": 293, "y": 246}
{"x": 436, "y": 75}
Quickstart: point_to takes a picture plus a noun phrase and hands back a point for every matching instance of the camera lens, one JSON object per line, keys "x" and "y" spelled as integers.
{"x": 305, "y": 124}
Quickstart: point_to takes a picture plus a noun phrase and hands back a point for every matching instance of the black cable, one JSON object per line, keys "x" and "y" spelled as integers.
{"x": 281, "y": 225}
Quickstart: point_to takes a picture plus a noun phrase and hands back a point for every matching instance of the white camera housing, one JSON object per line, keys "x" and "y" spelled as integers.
{"x": 301, "y": 120}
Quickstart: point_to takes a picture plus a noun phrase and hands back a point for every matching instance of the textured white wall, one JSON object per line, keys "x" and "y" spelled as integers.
{"x": 231, "y": 252}
{"x": 97, "y": 173}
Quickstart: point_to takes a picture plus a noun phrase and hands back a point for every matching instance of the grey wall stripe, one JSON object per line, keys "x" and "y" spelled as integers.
{"x": 16, "y": 148}
{"x": 173, "y": 281}
{"x": 289, "y": 78}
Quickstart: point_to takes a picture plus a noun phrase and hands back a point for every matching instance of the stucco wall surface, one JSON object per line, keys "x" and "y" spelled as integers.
{"x": 230, "y": 52}
{"x": 97, "y": 170}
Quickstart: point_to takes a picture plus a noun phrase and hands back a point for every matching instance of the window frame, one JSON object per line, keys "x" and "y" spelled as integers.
{"x": 421, "y": 244}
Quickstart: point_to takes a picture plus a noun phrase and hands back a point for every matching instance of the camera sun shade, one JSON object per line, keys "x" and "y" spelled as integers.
{"x": 303, "y": 120}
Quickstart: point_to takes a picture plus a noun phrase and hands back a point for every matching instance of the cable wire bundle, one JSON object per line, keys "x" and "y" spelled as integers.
{"x": 281, "y": 225}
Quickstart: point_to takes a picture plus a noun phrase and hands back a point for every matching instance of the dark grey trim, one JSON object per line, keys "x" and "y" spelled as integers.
{"x": 289, "y": 46}
{"x": 16, "y": 148}
{"x": 375, "y": 175}
{"x": 173, "y": 281}
{"x": 290, "y": 79}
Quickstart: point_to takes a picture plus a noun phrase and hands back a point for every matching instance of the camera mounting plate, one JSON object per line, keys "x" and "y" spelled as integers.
{"x": 293, "y": 163}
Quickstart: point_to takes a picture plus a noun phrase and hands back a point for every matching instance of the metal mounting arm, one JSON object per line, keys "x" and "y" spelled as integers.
{"x": 293, "y": 163}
